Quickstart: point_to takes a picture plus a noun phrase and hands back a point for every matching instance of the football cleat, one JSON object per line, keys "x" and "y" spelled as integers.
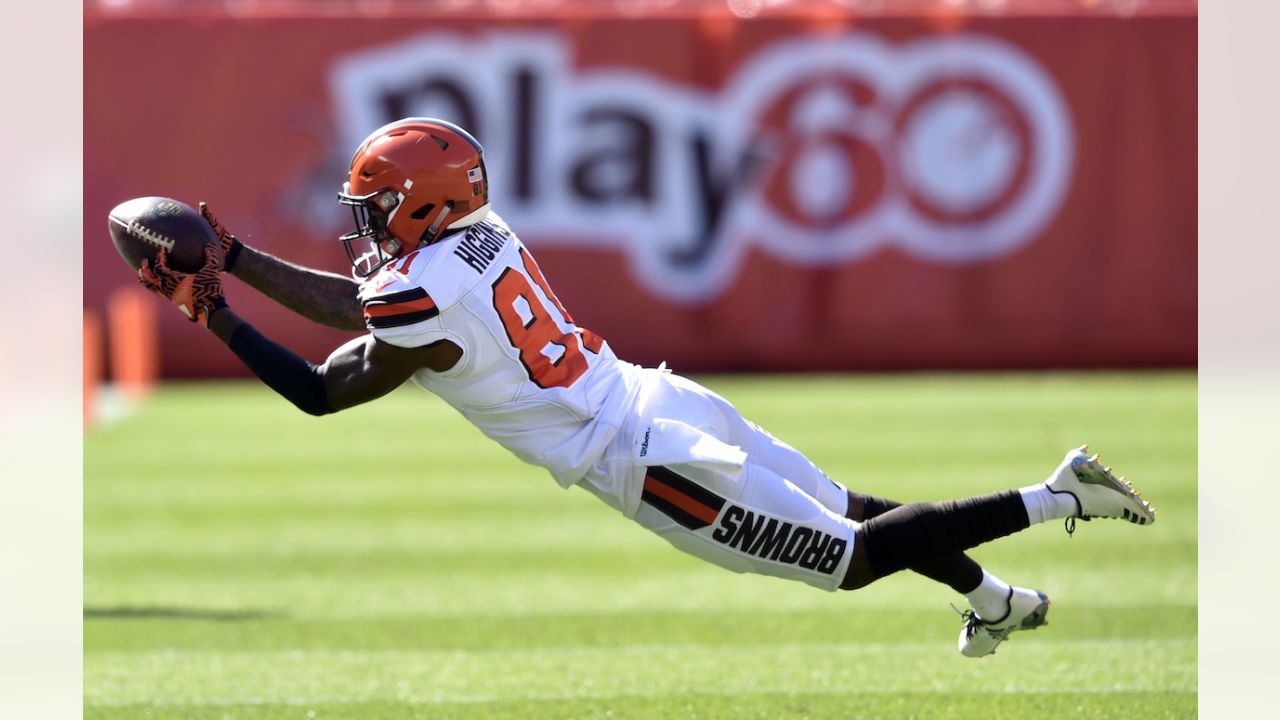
{"x": 1027, "y": 611}
{"x": 1097, "y": 492}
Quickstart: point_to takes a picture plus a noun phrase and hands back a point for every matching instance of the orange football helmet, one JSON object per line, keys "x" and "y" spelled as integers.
{"x": 410, "y": 181}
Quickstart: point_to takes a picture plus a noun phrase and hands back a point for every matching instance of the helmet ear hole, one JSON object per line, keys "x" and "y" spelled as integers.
{"x": 421, "y": 213}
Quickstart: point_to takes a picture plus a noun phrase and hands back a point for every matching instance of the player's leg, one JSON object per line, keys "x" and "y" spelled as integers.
{"x": 703, "y": 412}
{"x": 909, "y": 534}
{"x": 746, "y": 519}
{"x": 997, "y": 608}
{"x": 988, "y": 595}
{"x": 673, "y": 469}
{"x": 740, "y": 514}
{"x": 1079, "y": 487}
{"x": 706, "y": 410}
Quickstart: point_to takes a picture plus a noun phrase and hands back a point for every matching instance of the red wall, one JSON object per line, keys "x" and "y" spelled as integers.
{"x": 793, "y": 192}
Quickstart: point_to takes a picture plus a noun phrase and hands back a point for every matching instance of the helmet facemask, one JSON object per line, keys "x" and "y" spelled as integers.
{"x": 372, "y": 214}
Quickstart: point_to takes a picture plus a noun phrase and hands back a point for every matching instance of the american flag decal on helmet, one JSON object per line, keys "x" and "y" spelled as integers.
{"x": 473, "y": 175}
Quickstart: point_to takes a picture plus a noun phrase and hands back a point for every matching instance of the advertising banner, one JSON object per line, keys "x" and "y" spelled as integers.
{"x": 790, "y": 193}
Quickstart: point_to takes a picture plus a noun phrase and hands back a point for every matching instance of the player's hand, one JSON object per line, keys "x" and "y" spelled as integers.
{"x": 230, "y": 245}
{"x": 196, "y": 294}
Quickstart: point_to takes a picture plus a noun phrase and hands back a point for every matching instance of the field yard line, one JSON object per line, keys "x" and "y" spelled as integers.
{"x": 905, "y": 605}
{"x": 582, "y": 650}
{"x": 894, "y": 602}
{"x": 485, "y": 699}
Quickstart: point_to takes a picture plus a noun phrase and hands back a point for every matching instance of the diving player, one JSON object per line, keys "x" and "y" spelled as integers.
{"x": 450, "y": 298}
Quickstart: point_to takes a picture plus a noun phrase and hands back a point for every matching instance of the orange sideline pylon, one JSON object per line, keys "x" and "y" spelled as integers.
{"x": 135, "y": 350}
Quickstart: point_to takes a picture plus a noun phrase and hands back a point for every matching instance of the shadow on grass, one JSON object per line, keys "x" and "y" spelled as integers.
{"x": 177, "y": 613}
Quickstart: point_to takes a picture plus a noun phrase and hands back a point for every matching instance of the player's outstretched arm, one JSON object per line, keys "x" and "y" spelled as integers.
{"x": 324, "y": 297}
{"x": 359, "y": 371}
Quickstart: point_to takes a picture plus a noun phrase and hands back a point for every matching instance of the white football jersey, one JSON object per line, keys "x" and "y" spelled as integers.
{"x": 550, "y": 392}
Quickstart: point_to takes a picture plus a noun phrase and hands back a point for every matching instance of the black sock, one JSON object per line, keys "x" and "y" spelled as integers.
{"x": 917, "y": 533}
{"x": 956, "y": 570}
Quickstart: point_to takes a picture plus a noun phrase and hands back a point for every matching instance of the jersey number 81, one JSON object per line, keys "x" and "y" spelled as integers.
{"x": 552, "y": 357}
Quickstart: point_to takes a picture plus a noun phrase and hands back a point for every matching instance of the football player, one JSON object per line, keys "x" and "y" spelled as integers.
{"x": 451, "y": 298}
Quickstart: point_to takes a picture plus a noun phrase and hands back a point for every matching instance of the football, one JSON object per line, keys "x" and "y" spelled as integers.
{"x": 142, "y": 226}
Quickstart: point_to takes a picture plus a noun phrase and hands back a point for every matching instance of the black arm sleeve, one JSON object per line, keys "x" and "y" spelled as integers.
{"x": 300, "y": 382}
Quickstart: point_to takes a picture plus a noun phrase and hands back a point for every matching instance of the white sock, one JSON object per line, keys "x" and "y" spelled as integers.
{"x": 1044, "y": 504}
{"x": 991, "y": 598}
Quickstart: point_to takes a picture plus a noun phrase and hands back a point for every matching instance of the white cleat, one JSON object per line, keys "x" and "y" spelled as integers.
{"x": 1097, "y": 492}
{"x": 1027, "y": 611}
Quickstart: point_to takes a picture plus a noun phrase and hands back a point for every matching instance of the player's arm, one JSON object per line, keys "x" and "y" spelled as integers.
{"x": 324, "y": 297}
{"x": 361, "y": 370}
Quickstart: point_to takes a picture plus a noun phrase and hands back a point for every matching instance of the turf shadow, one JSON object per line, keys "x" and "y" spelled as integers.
{"x": 177, "y": 613}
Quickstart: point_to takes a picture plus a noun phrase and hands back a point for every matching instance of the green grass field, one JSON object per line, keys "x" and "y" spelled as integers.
{"x": 243, "y": 560}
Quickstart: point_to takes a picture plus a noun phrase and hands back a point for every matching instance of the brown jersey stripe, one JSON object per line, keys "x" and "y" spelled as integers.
{"x": 398, "y": 297}
{"x": 390, "y": 321}
{"x": 375, "y": 309}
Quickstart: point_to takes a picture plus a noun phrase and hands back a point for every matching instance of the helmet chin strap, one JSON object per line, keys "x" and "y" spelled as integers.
{"x": 433, "y": 231}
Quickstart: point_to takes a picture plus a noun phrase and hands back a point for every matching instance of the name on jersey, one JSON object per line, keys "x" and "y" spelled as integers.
{"x": 481, "y": 245}
{"x": 768, "y": 538}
